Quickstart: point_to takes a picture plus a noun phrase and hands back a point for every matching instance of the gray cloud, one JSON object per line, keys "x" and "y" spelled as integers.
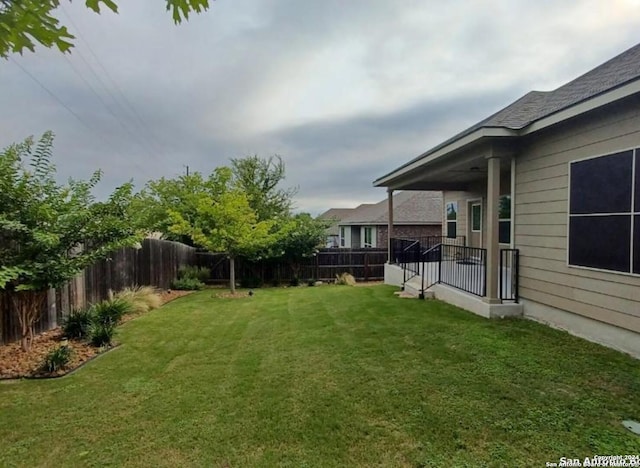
{"x": 344, "y": 91}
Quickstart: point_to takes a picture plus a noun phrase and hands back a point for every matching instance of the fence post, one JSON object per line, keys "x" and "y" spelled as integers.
{"x": 366, "y": 266}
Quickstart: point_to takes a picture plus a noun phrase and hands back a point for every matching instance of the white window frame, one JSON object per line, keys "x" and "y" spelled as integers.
{"x": 363, "y": 237}
{"x": 447, "y": 220}
{"x": 507, "y": 219}
{"x": 473, "y": 205}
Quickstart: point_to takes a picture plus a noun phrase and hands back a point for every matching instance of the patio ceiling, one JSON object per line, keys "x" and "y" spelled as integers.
{"x": 453, "y": 171}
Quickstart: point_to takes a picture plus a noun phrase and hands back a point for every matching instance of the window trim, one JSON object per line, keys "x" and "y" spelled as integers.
{"x": 363, "y": 237}
{"x": 504, "y": 220}
{"x": 473, "y": 205}
{"x": 634, "y": 211}
{"x": 447, "y": 220}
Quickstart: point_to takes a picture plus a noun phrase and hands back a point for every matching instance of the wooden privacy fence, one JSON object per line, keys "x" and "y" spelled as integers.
{"x": 363, "y": 264}
{"x": 156, "y": 263}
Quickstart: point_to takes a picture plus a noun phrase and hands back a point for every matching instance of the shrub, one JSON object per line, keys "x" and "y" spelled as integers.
{"x": 187, "y": 284}
{"x": 311, "y": 282}
{"x": 57, "y": 358}
{"x": 345, "y": 279}
{"x": 295, "y": 281}
{"x": 110, "y": 311}
{"x": 77, "y": 324}
{"x": 201, "y": 274}
{"x": 101, "y": 333}
{"x": 141, "y": 298}
{"x": 251, "y": 282}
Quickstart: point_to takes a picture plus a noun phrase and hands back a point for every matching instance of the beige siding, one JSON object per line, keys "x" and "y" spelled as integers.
{"x": 541, "y": 203}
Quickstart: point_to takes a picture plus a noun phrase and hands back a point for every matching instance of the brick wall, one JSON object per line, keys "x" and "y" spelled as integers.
{"x": 409, "y": 231}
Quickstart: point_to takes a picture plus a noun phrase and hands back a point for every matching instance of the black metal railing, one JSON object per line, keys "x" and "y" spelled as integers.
{"x": 464, "y": 268}
{"x": 508, "y": 283}
{"x": 430, "y": 269}
{"x": 411, "y": 253}
{"x": 439, "y": 259}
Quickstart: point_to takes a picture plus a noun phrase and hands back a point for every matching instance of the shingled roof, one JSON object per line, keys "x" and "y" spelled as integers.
{"x": 336, "y": 214}
{"x": 409, "y": 207}
{"x": 537, "y": 105}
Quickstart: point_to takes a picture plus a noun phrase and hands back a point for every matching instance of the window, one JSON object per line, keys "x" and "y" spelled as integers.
{"x": 452, "y": 219}
{"x": 504, "y": 219}
{"x": 369, "y": 237}
{"x": 604, "y": 212}
{"x": 342, "y": 237}
{"x": 476, "y": 217}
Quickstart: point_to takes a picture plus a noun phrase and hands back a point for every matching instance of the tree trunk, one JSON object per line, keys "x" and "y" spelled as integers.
{"x": 28, "y": 305}
{"x": 232, "y": 274}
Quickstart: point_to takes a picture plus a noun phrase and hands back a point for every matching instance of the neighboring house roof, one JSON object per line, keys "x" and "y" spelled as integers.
{"x": 409, "y": 207}
{"x": 335, "y": 214}
{"x": 535, "y": 106}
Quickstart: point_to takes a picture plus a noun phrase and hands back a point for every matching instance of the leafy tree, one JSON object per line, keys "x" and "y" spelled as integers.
{"x": 299, "y": 238}
{"x": 154, "y": 203}
{"x": 225, "y": 223}
{"x": 24, "y": 21}
{"x": 50, "y": 232}
{"x": 259, "y": 179}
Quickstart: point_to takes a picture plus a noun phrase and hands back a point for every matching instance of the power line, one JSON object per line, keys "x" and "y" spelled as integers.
{"x": 104, "y": 103}
{"x": 51, "y": 93}
{"x": 65, "y": 106}
{"x": 138, "y": 121}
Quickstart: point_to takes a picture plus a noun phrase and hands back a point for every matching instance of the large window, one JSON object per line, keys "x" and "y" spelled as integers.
{"x": 604, "y": 212}
{"x": 452, "y": 219}
{"x": 343, "y": 240}
{"x": 504, "y": 219}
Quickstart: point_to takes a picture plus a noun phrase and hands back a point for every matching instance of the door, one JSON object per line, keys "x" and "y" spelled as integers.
{"x": 474, "y": 223}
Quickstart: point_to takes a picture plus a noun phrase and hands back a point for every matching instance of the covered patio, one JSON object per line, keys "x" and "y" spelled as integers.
{"x": 476, "y": 255}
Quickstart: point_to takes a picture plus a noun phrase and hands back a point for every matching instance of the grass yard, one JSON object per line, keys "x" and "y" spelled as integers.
{"x": 326, "y": 376}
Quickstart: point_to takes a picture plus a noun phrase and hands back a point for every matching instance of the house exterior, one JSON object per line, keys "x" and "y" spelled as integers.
{"x": 556, "y": 176}
{"x": 333, "y": 231}
{"x": 416, "y": 214}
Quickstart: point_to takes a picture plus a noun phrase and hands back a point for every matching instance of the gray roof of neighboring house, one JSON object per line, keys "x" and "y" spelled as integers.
{"x": 409, "y": 207}
{"x": 336, "y": 214}
{"x": 536, "y": 105}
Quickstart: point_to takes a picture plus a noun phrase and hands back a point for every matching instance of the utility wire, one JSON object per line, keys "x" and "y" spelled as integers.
{"x": 126, "y": 128}
{"x": 138, "y": 121}
{"x": 69, "y": 109}
{"x": 50, "y": 93}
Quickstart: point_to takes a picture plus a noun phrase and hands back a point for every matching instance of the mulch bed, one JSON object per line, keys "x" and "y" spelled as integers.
{"x": 15, "y": 363}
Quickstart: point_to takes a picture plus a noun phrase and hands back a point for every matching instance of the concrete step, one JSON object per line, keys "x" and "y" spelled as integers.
{"x": 414, "y": 286}
{"x": 406, "y": 295}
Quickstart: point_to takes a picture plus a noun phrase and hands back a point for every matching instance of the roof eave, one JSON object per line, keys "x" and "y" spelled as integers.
{"x": 594, "y": 102}
{"x": 438, "y": 152}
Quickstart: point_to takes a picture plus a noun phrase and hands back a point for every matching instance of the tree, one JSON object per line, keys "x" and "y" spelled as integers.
{"x": 51, "y": 232}
{"x": 24, "y": 21}
{"x": 259, "y": 179}
{"x": 226, "y": 223}
{"x": 299, "y": 238}
{"x": 154, "y": 203}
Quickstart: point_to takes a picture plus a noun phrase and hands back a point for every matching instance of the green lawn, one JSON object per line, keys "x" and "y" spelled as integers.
{"x": 326, "y": 376}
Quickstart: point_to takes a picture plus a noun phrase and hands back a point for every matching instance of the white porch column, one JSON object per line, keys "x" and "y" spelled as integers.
{"x": 493, "y": 245}
{"x": 390, "y": 226}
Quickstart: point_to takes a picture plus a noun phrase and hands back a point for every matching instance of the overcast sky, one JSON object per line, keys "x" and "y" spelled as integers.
{"x": 344, "y": 91}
